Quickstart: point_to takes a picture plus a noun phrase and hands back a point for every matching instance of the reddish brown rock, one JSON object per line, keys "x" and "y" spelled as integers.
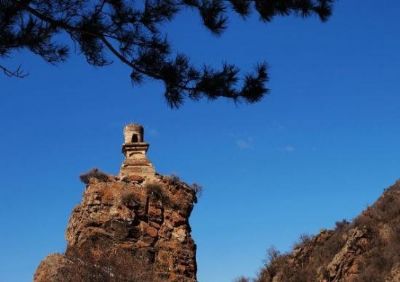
{"x": 126, "y": 231}
{"x": 129, "y": 228}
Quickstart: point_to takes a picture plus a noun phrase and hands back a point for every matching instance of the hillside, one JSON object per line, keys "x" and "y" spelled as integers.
{"x": 364, "y": 250}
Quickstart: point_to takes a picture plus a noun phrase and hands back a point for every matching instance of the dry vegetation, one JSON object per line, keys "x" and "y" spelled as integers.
{"x": 374, "y": 256}
{"x": 94, "y": 173}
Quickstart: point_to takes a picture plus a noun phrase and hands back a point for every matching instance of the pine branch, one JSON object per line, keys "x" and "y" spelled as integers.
{"x": 134, "y": 35}
{"x": 18, "y": 73}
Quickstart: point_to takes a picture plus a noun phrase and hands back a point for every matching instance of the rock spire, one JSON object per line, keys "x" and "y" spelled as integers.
{"x": 128, "y": 228}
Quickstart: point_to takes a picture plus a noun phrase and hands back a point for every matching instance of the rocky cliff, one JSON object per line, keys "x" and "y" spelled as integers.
{"x": 364, "y": 250}
{"x": 131, "y": 227}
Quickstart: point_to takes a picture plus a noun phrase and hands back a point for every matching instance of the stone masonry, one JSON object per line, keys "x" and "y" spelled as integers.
{"x": 134, "y": 149}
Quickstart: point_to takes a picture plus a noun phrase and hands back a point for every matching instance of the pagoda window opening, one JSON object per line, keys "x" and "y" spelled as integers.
{"x": 135, "y": 138}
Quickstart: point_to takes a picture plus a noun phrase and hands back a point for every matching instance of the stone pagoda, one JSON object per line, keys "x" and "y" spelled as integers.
{"x": 134, "y": 149}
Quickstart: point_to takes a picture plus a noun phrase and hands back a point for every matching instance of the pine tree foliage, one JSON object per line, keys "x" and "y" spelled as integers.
{"x": 130, "y": 31}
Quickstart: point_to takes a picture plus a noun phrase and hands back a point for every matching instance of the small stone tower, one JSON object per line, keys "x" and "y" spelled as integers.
{"x": 134, "y": 149}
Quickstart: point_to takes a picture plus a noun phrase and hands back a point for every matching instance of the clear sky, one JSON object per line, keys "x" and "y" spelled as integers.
{"x": 320, "y": 148}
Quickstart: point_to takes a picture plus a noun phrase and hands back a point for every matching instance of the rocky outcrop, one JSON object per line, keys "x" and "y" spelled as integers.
{"x": 128, "y": 230}
{"x": 367, "y": 249}
{"x": 344, "y": 265}
{"x": 130, "y": 227}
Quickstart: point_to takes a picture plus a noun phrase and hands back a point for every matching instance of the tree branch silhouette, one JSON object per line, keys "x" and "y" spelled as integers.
{"x": 130, "y": 31}
{"x": 19, "y": 73}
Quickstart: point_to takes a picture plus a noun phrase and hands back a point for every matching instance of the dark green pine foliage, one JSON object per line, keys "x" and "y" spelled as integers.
{"x": 129, "y": 31}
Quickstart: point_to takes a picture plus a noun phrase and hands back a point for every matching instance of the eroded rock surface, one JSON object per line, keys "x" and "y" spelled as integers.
{"x": 131, "y": 227}
{"x": 131, "y": 230}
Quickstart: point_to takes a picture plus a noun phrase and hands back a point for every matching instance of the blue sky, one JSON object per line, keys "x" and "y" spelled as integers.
{"x": 320, "y": 148}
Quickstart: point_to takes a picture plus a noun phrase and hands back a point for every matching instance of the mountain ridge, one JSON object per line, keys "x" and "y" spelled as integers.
{"x": 366, "y": 249}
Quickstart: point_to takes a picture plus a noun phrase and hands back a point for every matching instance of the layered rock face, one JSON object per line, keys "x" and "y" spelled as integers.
{"x": 132, "y": 227}
{"x": 364, "y": 250}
